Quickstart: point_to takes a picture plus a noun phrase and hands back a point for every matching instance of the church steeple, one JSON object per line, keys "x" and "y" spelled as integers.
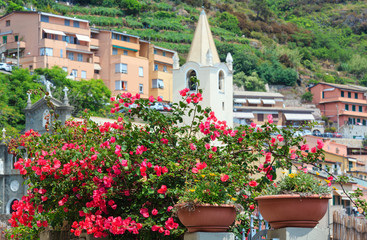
{"x": 202, "y": 43}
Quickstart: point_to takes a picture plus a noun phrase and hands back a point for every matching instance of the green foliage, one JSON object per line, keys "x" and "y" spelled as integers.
{"x": 329, "y": 78}
{"x": 276, "y": 74}
{"x": 132, "y": 7}
{"x": 358, "y": 65}
{"x": 251, "y": 83}
{"x": 307, "y": 97}
{"x": 12, "y": 6}
{"x": 228, "y": 22}
{"x": 299, "y": 183}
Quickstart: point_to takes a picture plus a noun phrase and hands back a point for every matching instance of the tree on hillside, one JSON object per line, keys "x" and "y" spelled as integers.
{"x": 229, "y": 22}
{"x": 132, "y": 7}
{"x": 262, "y": 9}
{"x": 251, "y": 83}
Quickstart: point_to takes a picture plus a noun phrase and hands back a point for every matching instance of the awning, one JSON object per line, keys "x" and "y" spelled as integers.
{"x": 240, "y": 100}
{"x": 6, "y": 33}
{"x": 268, "y": 101}
{"x": 78, "y": 50}
{"x": 49, "y": 31}
{"x": 245, "y": 115}
{"x": 125, "y": 48}
{"x": 254, "y": 101}
{"x": 83, "y": 38}
{"x": 97, "y": 66}
{"x": 343, "y": 195}
{"x": 298, "y": 116}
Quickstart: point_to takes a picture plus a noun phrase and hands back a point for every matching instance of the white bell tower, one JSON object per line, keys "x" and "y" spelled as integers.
{"x": 216, "y": 78}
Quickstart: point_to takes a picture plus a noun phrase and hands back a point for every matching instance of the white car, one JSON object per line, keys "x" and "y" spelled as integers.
{"x": 3, "y": 66}
{"x": 8, "y": 68}
{"x": 157, "y": 106}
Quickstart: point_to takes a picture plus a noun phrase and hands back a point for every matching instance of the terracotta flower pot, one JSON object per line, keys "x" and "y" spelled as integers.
{"x": 206, "y": 218}
{"x": 292, "y": 210}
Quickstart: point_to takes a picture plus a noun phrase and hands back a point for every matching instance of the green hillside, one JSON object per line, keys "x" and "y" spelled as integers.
{"x": 272, "y": 41}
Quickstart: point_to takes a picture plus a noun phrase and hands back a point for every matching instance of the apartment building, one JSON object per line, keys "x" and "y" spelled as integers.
{"x": 254, "y": 107}
{"x": 343, "y": 104}
{"x": 46, "y": 40}
{"x": 123, "y": 61}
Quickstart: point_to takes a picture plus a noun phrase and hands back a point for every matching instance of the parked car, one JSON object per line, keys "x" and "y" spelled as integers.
{"x": 157, "y": 106}
{"x": 337, "y": 135}
{"x": 328, "y": 135}
{"x": 6, "y": 67}
{"x": 359, "y": 137}
{"x": 167, "y": 107}
{"x": 298, "y": 134}
{"x": 317, "y": 134}
{"x": 307, "y": 132}
{"x": 2, "y": 66}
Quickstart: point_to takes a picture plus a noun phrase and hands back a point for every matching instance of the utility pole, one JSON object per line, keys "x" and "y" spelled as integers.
{"x": 337, "y": 114}
{"x": 18, "y": 43}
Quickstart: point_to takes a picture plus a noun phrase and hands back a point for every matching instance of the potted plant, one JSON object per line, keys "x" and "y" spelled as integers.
{"x": 298, "y": 200}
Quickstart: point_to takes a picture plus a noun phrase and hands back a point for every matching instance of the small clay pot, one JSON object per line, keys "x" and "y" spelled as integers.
{"x": 293, "y": 210}
{"x": 206, "y": 218}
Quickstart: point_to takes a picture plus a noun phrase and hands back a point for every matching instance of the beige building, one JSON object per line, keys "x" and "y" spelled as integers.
{"x": 255, "y": 107}
{"x": 122, "y": 61}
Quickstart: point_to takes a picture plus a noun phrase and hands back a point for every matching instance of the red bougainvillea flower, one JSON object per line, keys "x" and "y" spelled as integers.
{"x": 270, "y": 118}
{"x": 320, "y": 143}
{"x": 253, "y": 183}
{"x": 280, "y": 138}
{"x": 224, "y": 177}
{"x": 162, "y": 190}
{"x": 144, "y": 212}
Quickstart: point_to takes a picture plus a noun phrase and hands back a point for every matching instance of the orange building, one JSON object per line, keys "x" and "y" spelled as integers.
{"x": 122, "y": 61}
{"x": 343, "y": 104}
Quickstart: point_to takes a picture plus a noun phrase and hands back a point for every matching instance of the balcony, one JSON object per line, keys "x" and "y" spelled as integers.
{"x": 14, "y": 45}
{"x": 94, "y": 43}
{"x": 163, "y": 59}
{"x": 343, "y": 99}
{"x": 126, "y": 45}
{"x": 353, "y": 113}
{"x": 161, "y": 75}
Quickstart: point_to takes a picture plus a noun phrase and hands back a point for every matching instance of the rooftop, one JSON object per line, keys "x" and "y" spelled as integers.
{"x": 350, "y": 87}
{"x": 257, "y": 94}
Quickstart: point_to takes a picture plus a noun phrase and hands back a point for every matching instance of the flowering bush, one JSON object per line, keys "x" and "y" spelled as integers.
{"x": 124, "y": 178}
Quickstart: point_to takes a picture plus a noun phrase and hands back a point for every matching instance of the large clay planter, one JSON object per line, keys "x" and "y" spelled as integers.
{"x": 207, "y": 218}
{"x": 293, "y": 210}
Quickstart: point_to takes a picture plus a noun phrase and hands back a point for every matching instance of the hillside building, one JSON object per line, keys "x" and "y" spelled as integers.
{"x": 123, "y": 61}
{"x": 256, "y": 106}
{"x": 216, "y": 78}
{"x": 343, "y": 104}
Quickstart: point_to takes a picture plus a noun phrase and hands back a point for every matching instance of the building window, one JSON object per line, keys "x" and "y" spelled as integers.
{"x": 223, "y": 106}
{"x": 65, "y": 69}
{"x": 67, "y": 22}
{"x": 141, "y": 72}
{"x": 121, "y": 68}
{"x": 16, "y": 38}
{"x": 349, "y": 95}
{"x": 164, "y": 68}
{"x": 71, "y": 55}
{"x": 155, "y": 51}
{"x": 121, "y": 85}
{"x": 76, "y": 24}
{"x": 84, "y": 74}
{"x": 155, "y": 67}
{"x": 5, "y": 39}
{"x": 323, "y": 95}
{"x": 125, "y": 38}
{"x": 342, "y": 93}
{"x": 74, "y": 73}
{"x": 360, "y": 108}
{"x": 260, "y": 117}
{"x": 346, "y": 107}
{"x": 164, "y": 53}
{"x": 221, "y": 81}
{"x": 140, "y": 88}
{"x": 353, "y": 108}
{"x": 358, "y": 120}
{"x": 356, "y": 95}
{"x": 114, "y": 51}
{"x": 61, "y": 55}
{"x": 364, "y": 122}
{"x": 80, "y": 57}
{"x": 44, "y": 18}
{"x": 190, "y": 84}
{"x": 7, "y": 23}
{"x": 46, "y": 52}
{"x": 157, "y": 83}
{"x": 126, "y": 52}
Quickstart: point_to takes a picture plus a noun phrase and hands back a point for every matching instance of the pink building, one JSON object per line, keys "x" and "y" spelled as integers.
{"x": 343, "y": 104}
